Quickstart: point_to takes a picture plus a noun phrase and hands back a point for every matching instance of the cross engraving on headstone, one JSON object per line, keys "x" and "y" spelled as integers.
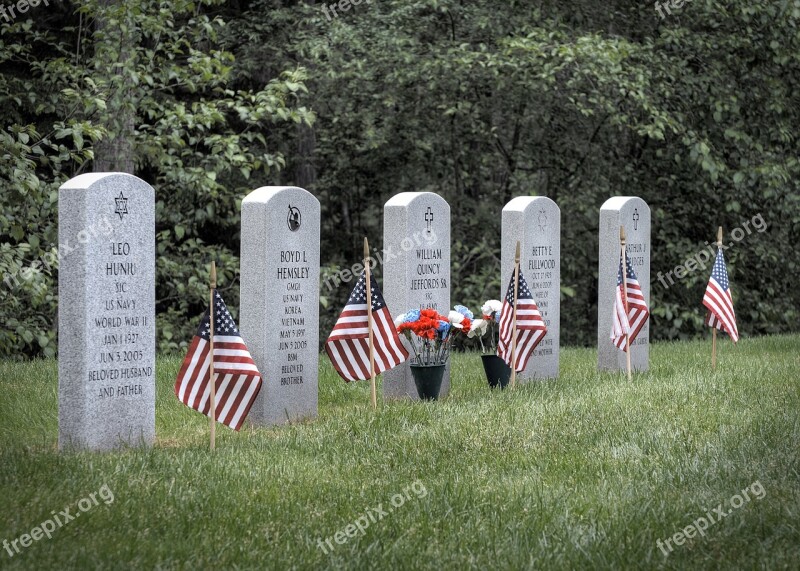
{"x": 635, "y": 218}
{"x": 429, "y": 218}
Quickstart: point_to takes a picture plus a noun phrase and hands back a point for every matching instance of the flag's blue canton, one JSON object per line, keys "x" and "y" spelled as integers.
{"x": 359, "y": 294}
{"x": 628, "y": 270}
{"x": 223, "y": 321}
{"x": 524, "y": 292}
{"x": 719, "y": 272}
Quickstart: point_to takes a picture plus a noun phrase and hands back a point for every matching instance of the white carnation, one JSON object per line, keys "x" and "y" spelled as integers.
{"x": 479, "y": 327}
{"x": 492, "y": 306}
{"x": 455, "y": 319}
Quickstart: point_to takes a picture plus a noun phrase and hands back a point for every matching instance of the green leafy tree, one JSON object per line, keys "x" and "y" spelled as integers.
{"x": 146, "y": 84}
{"x": 577, "y": 101}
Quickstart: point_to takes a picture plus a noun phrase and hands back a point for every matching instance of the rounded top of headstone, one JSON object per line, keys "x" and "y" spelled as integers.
{"x": 406, "y": 198}
{"x": 617, "y": 202}
{"x": 522, "y": 203}
{"x": 89, "y": 179}
{"x": 266, "y": 193}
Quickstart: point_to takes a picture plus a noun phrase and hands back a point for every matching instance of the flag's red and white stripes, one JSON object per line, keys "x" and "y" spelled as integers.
{"x": 237, "y": 380}
{"x": 728, "y": 321}
{"x": 620, "y": 326}
{"x": 530, "y": 326}
{"x": 634, "y": 321}
{"x": 629, "y": 315}
{"x": 348, "y": 343}
{"x": 719, "y": 301}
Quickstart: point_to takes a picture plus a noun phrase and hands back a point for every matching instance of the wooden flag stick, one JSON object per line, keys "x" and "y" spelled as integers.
{"x": 514, "y": 320}
{"x": 714, "y": 329}
{"x": 211, "y": 382}
{"x": 369, "y": 326}
{"x": 625, "y": 297}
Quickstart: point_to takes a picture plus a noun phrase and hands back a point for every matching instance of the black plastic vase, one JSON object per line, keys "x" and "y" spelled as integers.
{"x": 428, "y": 379}
{"x": 497, "y": 371}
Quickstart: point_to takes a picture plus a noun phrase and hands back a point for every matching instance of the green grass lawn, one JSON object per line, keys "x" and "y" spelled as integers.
{"x": 587, "y": 471}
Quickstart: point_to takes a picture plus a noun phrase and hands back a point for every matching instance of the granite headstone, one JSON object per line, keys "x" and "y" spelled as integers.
{"x": 279, "y": 317}
{"x": 106, "y": 312}
{"x": 536, "y": 222}
{"x": 634, "y": 214}
{"x": 416, "y": 271}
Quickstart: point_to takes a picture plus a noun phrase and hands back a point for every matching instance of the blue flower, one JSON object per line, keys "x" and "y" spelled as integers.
{"x": 444, "y": 327}
{"x": 464, "y": 311}
{"x": 412, "y": 315}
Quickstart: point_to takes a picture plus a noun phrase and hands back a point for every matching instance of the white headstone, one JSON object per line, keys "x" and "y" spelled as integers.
{"x": 279, "y": 317}
{"x": 416, "y": 272}
{"x": 106, "y": 312}
{"x": 536, "y": 222}
{"x": 633, "y": 213}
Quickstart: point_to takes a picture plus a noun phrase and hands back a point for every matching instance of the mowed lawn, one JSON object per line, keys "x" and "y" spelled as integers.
{"x": 586, "y": 471}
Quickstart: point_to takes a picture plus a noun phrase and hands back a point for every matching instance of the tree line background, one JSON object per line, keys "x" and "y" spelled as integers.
{"x": 697, "y": 113}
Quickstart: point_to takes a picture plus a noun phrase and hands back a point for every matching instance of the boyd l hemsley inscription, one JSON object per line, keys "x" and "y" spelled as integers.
{"x": 293, "y": 338}
{"x": 280, "y": 300}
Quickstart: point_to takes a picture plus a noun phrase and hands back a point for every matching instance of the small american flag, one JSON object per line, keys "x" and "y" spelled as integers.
{"x": 630, "y": 314}
{"x": 530, "y": 326}
{"x": 348, "y": 343}
{"x": 237, "y": 380}
{"x": 718, "y": 300}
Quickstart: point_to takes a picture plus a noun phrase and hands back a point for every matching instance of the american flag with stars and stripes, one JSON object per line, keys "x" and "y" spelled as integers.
{"x": 530, "y": 326}
{"x": 718, "y": 300}
{"x": 348, "y": 343}
{"x": 237, "y": 380}
{"x": 630, "y": 314}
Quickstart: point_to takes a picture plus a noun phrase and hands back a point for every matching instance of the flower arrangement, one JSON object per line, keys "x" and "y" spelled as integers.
{"x": 489, "y": 322}
{"x": 434, "y": 332}
{"x": 461, "y": 319}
